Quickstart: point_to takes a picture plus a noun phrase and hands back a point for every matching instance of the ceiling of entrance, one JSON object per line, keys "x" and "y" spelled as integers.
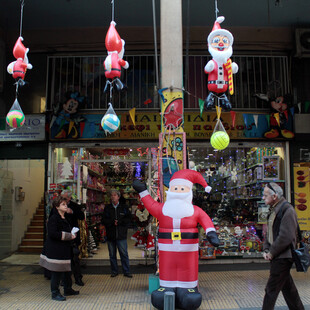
{"x": 94, "y": 13}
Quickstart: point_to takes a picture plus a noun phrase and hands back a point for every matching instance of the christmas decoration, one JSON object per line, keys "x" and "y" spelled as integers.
{"x": 178, "y": 247}
{"x": 220, "y": 140}
{"x": 19, "y": 67}
{"x": 220, "y": 69}
{"x": 110, "y": 122}
{"x": 15, "y": 118}
{"x": 114, "y": 61}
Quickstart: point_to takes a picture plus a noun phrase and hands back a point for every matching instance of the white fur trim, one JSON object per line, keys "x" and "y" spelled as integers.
{"x": 222, "y": 32}
{"x": 144, "y": 193}
{"x": 181, "y": 182}
{"x": 208, "y": 189}
{"x": 209, "y": 229}
{"x": 176, "y": 246}
{"x": 183, "y": 284}
{"x": 220, "y": 19}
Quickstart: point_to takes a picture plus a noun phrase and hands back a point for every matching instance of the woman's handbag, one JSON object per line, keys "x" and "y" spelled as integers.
{"x": 301, "y": 256}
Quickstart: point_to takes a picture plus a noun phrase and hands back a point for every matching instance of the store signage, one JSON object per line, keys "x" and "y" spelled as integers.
{"x": 148, "y": 126}
{"x": 32, "y": 130}
{"x": 302, "y": 196}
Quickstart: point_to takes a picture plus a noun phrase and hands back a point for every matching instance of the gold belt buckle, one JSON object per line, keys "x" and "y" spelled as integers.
{"x": 176, "y": 235}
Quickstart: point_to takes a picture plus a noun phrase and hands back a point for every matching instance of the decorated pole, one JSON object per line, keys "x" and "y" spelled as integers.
{"x": 172, "y": 139}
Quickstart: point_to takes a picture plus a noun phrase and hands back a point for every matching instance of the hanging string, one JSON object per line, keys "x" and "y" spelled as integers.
{"x": 22, "y": 2}
{"x": 155, "y": 45}
{"x": 216, "y": 10}
{"x": 187, "y": 45}
{"x": 112, "y": 2}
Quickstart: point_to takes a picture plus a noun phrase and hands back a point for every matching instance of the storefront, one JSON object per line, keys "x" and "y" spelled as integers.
{"x": 237, "y": 176}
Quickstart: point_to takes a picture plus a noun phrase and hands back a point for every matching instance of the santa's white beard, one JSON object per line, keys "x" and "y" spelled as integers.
{"x": 178, "y": 205}
{"x": 220, "y": 57}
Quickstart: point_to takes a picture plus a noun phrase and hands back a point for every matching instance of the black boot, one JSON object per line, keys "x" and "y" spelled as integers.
{"x": 157, "y": 297}
{"x": 209, "y": 101}
{"x": 57, "y": 296}
{"x": 106, "y": 88}
{"x": 188, "y": 298}
{"x": 71, "y": 292}
{"x": 118, "y": 84}
{"x": 224, "y": 103}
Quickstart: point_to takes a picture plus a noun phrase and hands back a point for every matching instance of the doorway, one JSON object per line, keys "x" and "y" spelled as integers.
{"x": 21, "y": 191}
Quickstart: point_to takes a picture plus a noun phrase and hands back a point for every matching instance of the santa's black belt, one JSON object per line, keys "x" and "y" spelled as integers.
{"x": 177, "y": 235}
{"x": 217, "y": 82}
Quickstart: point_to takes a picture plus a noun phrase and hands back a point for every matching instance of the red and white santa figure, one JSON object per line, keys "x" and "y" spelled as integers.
{"x": 220, "y": 68}
{"x": 19, "y": 67}
{"x": 178, "y": 237}
{"x": 114, "y": 62}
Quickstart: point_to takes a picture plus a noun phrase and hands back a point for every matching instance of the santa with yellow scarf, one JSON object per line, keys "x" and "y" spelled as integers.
{"x": 220, "y": 69}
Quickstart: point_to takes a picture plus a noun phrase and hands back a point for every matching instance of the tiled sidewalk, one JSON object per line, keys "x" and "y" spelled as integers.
{"x": 24, "y": 288}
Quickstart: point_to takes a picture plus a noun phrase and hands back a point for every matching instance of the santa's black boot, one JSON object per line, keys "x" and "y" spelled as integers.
{"x": 118, "y": 84}
{"x": 106, "y": 88}
{"x": 157, "y": 296}
{"x": 209, "y": 101}
{"x": 188, "y": 298}
{"x": 225, "y": 103}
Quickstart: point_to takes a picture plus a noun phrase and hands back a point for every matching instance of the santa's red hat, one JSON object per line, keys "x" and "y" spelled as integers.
{"x": 188, "y": 177}
{"x": 19, "y": 50}
{"x": 113, "y": 41}
{"x": 217, "y": 30}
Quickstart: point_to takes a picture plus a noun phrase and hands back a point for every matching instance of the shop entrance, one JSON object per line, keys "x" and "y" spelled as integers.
{"x": 91, "y": 174}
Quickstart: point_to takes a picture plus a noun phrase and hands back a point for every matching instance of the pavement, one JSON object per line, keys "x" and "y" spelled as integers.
{"x": 223, "y": 286}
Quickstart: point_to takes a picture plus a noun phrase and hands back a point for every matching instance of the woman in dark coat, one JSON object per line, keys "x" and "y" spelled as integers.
{"x": 57, "y": 251}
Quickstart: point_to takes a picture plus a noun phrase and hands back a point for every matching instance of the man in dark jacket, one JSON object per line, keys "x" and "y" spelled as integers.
{"x": 281, "y": 234}
{"x": 116, "y": 218}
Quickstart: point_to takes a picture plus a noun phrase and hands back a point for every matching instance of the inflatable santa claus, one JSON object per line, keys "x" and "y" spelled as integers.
{"x": 114, "y": 62}
{"x": 19, "y": 67}
{"x": 220, "y": 69}
{"x": 178, "y": 238}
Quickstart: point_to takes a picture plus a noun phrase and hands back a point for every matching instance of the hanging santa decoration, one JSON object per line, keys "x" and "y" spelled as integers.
{"x": 114, "y": 62}
{"x": 220, "y": 69}
{"x": 19, "y": 67}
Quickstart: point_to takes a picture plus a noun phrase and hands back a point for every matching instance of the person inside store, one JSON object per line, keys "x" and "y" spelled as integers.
{"x": 73, "y": 214}
{"x": 281, "y": 234}
{"x": 116, "y": 218}
{"x": 57, "y": 251}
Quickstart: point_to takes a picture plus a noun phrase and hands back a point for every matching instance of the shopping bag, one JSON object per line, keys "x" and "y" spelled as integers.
{"x": 301, "y": 257}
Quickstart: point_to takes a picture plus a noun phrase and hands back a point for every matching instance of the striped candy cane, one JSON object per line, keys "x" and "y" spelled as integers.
{"x": 230, "y": 76}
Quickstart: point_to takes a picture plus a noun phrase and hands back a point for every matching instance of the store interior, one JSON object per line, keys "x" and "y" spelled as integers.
{"x": 237, "y": 176}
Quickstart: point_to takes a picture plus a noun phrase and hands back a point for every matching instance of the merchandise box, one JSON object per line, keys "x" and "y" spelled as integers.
{"x": 271, "y": 167}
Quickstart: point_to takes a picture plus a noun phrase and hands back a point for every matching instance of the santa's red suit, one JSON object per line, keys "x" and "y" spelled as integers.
{"x": 217, "y": 77}
{"x": 178, "y": 244}
{"x": 113, "y": 65}
{"x": 19, "y": 69}
{"x": 178, "y": 232}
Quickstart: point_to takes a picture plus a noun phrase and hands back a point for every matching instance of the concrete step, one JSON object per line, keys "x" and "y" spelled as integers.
{"x": 36, "y": 223}
{"x": 32, "y": 242}
{"x": 37, "y": 228}
{"x": 30, "y": 249}
{"x": 40, "y": 212}
{"x": 38, "y": 217}
{"x": 34, "y": 235}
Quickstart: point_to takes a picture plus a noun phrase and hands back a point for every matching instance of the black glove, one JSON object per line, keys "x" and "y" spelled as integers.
{"x": 213, "y": 239}
{"x": 139, "y": 186}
